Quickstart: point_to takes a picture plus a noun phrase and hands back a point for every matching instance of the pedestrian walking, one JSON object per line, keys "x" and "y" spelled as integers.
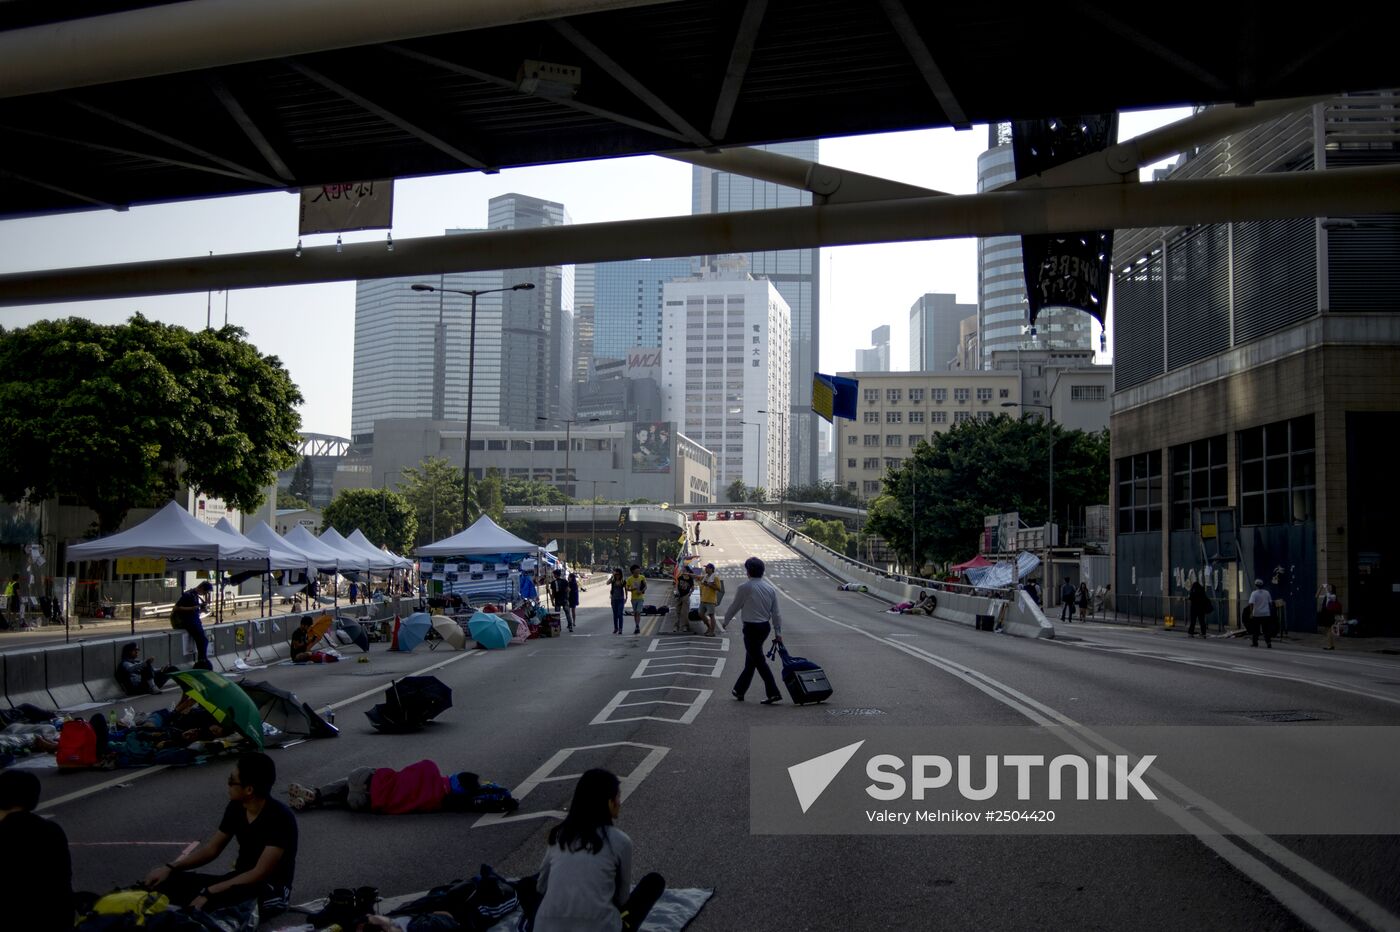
{"x": 685, "y": 585}
{"x": 354, "y": 593}
{"x": 571, "y": 602}
{"x": 1261, "y": 615}
{"x": 758, "y": 599}
{"x": 1067, "y": 601}
{"x": 559, "y": 596}
{"x": 1081, "y": 598}
{"x": 711, "y": 591}
{"x": 186, "y": 617}
{"x": 636, "y": 585}
{"x": 1199, "y": 605}
{"x": 617, "y": 595}
{"x": 12, "y": 593}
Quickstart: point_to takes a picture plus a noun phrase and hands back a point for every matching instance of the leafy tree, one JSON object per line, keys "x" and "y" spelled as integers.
{"x": 118, "y": 416}
{"x": 523, "y": 528}
{"x": 288, "y": 500}
{"x": 757, "y": 494}
{"x": 301, "y": 480}
{"x": 979, "y": 468}
{"x": 824, "y": 492}
{"x": 736, "y": 491}
{"x": 530, "y": 492}
{"x": 830, "y": 533}
{"x": 486, "y": 497}
{"x": 434, "y": 491}
{"x": 382, "y": 515}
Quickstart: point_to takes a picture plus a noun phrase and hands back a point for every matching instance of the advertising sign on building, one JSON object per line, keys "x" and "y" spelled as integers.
{"x": 644, "y": 362}
{"x": 209, "y": 510}
{"x": 651, "y": 447}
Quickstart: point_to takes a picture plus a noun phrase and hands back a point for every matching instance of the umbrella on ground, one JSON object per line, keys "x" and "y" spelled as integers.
{"x": 287, "y": 713}
{"x": 450, "y": 631}
{"x": 489, "y": 631}
{"x": 224, "y": 700}
{"x": 356, "y": 632}
{"x": 413, "y": 629}
{"x": 410, "y": 703}
{"x": 319, "y": 627}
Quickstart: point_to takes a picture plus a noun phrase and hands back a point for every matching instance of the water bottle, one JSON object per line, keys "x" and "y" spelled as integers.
{"x": 329, "y": 715}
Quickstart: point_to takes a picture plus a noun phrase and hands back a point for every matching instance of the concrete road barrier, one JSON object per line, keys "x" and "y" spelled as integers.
{"x": 1023, "y": 618}
{"x": 63, "y": 675}
{"x": 158, "y": 648}
{"x": 100, "y": 660}
{"x": 25, "y": 680}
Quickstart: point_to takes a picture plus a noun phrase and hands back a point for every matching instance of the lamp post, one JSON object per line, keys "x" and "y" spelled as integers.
{"x": 757, "y": 472}
{"x": 1050, "y": 503}
{"x": 471, "y": 378}
{"x": 593, "y": 532}
{"x": 568, "y": 448}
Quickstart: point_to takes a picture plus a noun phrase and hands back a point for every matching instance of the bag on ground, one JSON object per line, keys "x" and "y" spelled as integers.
{"x": 77, "y": 745}
{"x": 805, "y": 681}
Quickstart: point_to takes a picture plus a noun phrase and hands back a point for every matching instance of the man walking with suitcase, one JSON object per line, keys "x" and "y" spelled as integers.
{"x": 759, "y": 601}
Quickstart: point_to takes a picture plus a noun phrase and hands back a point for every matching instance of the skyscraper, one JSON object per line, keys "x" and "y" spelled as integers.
{"x": 877, "y": 358}
{"x": 1002, "y": 307}
{"x": 934, "y": 327}
{"x": 584, "y": 320}
{"x": 627, "y": 303}
{"x": 795, "y": 274}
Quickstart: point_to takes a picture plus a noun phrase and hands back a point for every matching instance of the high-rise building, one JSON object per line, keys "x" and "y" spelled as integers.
{"x": 1001, "y": 299}
{"x": 794, "y": 272}
{"x": 584, "y": 320}
{"x": 934, "y": 331}
{"x": 725, "y": 373}
{"x": 877, "y": 358}
{"x": 627, "y": 303}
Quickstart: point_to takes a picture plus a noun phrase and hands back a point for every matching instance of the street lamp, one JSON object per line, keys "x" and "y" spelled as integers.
{"x": 757, "y": 472}
{"x": 471, "y": 378}
{"x": 568, "y": 448}
{"x": 1050, "y": 504}
{"x": 593, "y": 533}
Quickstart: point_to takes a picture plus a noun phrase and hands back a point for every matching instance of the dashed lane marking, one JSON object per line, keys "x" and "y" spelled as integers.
{"x": 707, "y": 666}
{"x": 692, "y": 708}
{"x": 546, "y": 774}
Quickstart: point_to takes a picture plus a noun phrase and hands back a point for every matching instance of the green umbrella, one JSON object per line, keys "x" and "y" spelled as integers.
{"x": 224, "y": 699}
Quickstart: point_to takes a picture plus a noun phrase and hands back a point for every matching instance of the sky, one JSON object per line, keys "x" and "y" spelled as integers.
{"x": 311, "y": 327}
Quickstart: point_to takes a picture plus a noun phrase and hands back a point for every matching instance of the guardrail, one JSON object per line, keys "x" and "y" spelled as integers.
{"x": 71, "y": 675}
{"x": 1010, "y": 610}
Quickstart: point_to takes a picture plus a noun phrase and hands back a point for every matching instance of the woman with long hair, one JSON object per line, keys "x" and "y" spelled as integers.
{"x": 585, "y": 878}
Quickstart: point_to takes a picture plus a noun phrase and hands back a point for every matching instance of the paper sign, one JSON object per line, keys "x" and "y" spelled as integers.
{"x": 355, "y": 205}
{"x": 140, "y": 566}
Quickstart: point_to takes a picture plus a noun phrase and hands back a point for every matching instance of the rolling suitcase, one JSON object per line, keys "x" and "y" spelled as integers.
{"x": 805, "y": 681}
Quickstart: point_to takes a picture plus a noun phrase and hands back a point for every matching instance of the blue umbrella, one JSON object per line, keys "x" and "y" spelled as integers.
{"x": 413, "y": 629}
{"x": 527, "y": 587}
{"x": 489, "y": 631}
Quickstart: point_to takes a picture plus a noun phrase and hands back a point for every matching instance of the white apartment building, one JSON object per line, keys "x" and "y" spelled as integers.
{"x": 726, "y": 373}
{"x": 896, "y": 411}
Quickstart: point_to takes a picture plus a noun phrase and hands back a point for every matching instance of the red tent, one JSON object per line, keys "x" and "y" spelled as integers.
{"x": 975, "y": 562}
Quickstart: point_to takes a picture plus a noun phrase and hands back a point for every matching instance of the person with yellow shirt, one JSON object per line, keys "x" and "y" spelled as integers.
{"x": 637, "y": 588}
{"x": 711, "y": 591}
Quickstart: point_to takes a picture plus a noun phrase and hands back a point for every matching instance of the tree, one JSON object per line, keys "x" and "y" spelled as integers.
{"x": 434, "y": 491}
{"x": 980, "y": 468}
{"x": 736, "y": 491}
{"x": 757, "y": 494}
{"x": 824, "y": 492}
{"x": 382, "y": 515}
{"x": 486, "y": 497}
{"x": 301, "y": 480}
{"x": 531, "y": 492}
{"x": 829, "y": 533}
{"x": 119, "y": 416}
{"x": 288, "y": 500}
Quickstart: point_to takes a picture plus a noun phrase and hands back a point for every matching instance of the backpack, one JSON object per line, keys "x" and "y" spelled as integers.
{"x": 77, "y": 745}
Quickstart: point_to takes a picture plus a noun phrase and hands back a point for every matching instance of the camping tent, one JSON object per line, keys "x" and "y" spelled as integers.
{"x": 176, "y": 536}
{"x": 351, "y": 559}
{"x": 379, "y": 561}
{"x": 999, "y": 575}
{"x": 279, "y": 557}
{"x": 358, "y": 538}
{"x": 975, "y": 563}
{"x": 324, "y": 558}
{"x": 484, "y": 536}
{"x": 283, "y": 555}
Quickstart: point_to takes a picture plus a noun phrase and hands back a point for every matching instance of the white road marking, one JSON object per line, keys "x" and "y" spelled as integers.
{"x": 545, "y": 774}
{"x": 711, "y": 667}
{"x": 692, "y": 708}
{"x": 718, "y": 644}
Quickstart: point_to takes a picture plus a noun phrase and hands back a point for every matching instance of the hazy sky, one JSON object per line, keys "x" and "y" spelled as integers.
{"x": 311, "y": 327}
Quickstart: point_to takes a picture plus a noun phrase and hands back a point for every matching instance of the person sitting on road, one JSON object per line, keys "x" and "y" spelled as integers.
{"x": 420, "y": 787}
{"x": 300, "y": 644}
{"x": 266, "y": 832}
{"x": 136, "y": 676}
{"x": 585, "y": 879}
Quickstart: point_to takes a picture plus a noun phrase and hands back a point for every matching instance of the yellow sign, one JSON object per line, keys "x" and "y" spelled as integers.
{"x": 140, "y": 566}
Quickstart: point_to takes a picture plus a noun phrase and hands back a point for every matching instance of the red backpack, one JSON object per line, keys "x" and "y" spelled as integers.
{"x": 77, "y": 745}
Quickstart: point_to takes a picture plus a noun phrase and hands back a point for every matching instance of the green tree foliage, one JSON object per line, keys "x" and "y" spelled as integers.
{"x": 288, "y": 500}
{"x": 757, "y": 494}
{"x": 824, "y": 492}
{"x": 830, "y": 533}
{"x": 382, "y": 515}
{"x": 434, "y": 491}
{"x": 530, "y": 492}
{"x": 980, "y": 468}
{"x": 301, "y": 480}
{"x": 487, "y": 498}
{"x": 736, "y": 491}
{"x": 118, "y": 416}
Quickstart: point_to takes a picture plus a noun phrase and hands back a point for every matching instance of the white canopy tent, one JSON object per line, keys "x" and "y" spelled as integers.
{"x": 282, "y": 554}
{"x": 359, "y": 541}
{"x": 352, "y": 559}
{"x": 278, "y": 556}
{"x": 324, "y": 558}
{"x": 484, "y": 536}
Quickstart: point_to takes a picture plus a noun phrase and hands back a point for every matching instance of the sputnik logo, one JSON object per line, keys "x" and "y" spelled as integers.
{"x": 811, "y": 777}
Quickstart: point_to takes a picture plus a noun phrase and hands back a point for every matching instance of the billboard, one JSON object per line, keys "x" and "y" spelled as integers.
{"x": 651, "y": 447}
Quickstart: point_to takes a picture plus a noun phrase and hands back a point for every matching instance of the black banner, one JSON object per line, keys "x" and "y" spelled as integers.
{"x": 1064, "y": 269}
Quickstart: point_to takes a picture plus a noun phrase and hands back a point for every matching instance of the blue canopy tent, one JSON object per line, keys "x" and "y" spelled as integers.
{"x": 479, "y": 564}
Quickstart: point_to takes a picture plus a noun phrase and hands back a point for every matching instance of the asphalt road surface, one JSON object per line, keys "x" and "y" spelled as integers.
{"x": 656, "y": 709}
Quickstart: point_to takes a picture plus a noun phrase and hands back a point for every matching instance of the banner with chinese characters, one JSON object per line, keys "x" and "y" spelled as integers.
{"x": 354, "y": 205}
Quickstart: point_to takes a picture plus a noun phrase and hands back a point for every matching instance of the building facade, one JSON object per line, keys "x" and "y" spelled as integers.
{"x": 627, "y": 298}
{"x": 896, "y": 411}
{"x": 1068, "y": 381}
{"x": 1257, "y": 374}
{"x": 935, "y": 322}
{"x": 969, "y": 351}
{"x": 585, "y": 317}
{"x": 726, "y": 373}
{"x": 1001, "y": 301}
{"x": 796, "y": 275}
{"x": 877, "y": 358}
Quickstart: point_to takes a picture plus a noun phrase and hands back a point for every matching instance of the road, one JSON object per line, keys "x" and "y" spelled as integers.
{"x": 556, "y": 707}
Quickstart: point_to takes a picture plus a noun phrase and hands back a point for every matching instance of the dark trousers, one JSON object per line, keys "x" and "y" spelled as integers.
{"x": 184, "y": 886}
{"x": 634, "y": 911}
{"x": 1197, "y": 615}
{"x": 195, "y": 629}
{"x": 619, "y": 612}
{"x": 569, "y": 612}
{"x": 755, "y": 635}
{"x": 1067, "y": 611}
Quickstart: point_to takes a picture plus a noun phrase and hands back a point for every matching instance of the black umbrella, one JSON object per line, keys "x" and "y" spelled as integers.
{"x": 356, "y": 633}
{"x": 287, "y": 713}
{"x": 419, "y": 697}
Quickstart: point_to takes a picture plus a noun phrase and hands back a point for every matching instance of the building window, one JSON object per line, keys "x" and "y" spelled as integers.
{"x": 872, "y": 417}
{"x": 916, "y": 396}
{"x": 892, "y": 461}
{"x": 892, "y": 395}
{"x": 916, "y": 417}
{"x": 872, "y": 394}
{"x": 1277, "y": 472}
{"x": 1088, "y": 393}
{"x": 495, "y": 444}
{"x": 520, "y": 444}
{"x": 984, "y": 415}
{"x": 1004, "y": 393}
{"x": 984, "y": 394}
{"x": 851, "y": 463}
{"x": 915, "y": 440}
{"x": 872, "y": 440}
{"x": 1140, "y": 493}
{"x": 960, "y": 395}
{"x": 961, "y": 416}
{"x": 851, "y": 440}
{"x": 940, "y": 395}
{"x": 1198, "y": 479}
{"x": 851, "y": 485}
{"x": 872, "y": 485}
{"x": 894, "y": 440}
{"x": 894, "y": 417}
{"x": 871, "y": 462}
{"x": 939, "y": 417}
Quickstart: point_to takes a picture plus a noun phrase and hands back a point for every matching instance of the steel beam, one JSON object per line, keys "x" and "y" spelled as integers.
{"x": 996, "y": 213}
{"x": 828, "y": 185}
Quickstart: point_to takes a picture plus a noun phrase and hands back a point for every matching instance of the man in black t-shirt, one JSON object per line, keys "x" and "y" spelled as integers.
{"x": 185, "y": 616}
{"x": 34, "y": 861}
{"x": 266, "y": 832}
